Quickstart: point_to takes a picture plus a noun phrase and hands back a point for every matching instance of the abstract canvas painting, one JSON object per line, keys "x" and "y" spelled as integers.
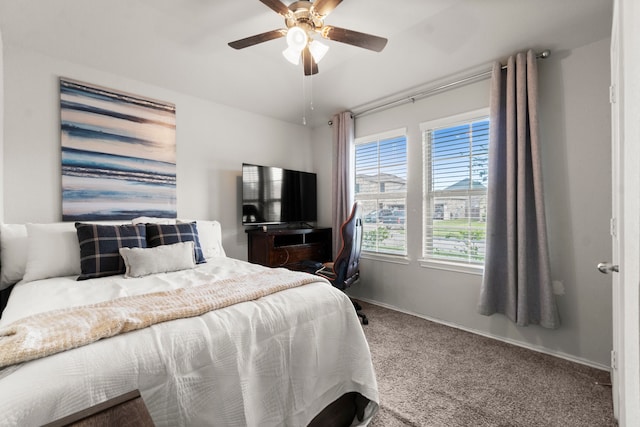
{"x": 118, "y": 154}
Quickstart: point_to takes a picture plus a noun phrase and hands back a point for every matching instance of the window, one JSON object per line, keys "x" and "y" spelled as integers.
{"x": 455, "y": 164}
{"x": 381, "y": 186}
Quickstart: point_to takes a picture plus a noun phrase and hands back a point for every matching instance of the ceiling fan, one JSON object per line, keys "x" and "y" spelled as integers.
{"x": 304, "y": 20}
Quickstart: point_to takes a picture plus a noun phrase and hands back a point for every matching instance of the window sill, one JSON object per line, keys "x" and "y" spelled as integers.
{"x": 395, "y": 259}
{"x": 476, "y": 270}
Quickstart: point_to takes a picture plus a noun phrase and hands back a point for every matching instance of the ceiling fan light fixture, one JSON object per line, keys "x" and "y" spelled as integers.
{"x": 318, "y": 50}
{"x": 304, "y": 20}
{"x": 297, "y": 38}
{"x": 292, "y": 55}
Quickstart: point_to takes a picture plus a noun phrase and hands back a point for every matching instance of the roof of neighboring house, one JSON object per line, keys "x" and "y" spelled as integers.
{"x": 466, "y": 184}
{"x": 383, "y": 177}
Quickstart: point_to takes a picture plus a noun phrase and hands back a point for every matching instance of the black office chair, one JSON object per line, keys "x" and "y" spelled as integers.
{"x": 344, "y": 271}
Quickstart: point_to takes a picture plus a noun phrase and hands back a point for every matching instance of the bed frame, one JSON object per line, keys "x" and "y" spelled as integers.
{"x": 129, "y": 409}
{"x": 125, "y": 410}
{"x": 4, "y": 297}
{"x": 342, "y": 411}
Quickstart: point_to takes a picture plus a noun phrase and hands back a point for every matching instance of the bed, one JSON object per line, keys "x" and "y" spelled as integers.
{"x": 279, "y": 359}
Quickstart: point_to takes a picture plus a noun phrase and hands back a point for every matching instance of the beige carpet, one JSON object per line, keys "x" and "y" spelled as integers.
{"x": 433, "y": 375}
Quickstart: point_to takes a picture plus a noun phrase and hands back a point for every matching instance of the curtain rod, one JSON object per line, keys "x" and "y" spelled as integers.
{"x": 542, "y": 55}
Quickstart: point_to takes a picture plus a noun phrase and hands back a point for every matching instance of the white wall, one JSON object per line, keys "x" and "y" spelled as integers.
{"x": 575, "y": 131}
{"x": 323, "y": 160}
{"x": 1, "y": 126}
{"x": 212, "y": 142}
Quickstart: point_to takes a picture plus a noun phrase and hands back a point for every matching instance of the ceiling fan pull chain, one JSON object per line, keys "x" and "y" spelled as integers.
{"x": 304, "y": 103}
{"x": 311, "y": 93}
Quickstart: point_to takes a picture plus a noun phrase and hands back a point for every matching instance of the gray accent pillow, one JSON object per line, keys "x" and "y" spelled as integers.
{"x": 161, "y": 259}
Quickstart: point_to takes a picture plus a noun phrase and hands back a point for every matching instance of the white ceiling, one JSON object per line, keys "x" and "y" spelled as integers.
{"x": 182, "y": 45}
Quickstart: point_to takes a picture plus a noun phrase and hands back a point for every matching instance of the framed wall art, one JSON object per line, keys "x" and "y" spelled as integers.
{"x": 118, "y": 154}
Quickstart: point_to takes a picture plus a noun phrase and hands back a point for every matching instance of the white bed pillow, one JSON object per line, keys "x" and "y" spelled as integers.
{"x": 53, "y": 251}
{"x": 160, "y": 259}
{"x": 210, "y": 236}
{"x": 13, "y": 253}
{"x": 152, "y": 220}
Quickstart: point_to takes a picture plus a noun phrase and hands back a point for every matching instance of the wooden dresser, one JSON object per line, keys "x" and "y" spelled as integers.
{"x": 288, "y": 247}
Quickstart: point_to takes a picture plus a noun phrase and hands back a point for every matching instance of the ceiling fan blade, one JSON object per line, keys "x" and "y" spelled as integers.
{"x": 258, "y": 38}
{"x": 355, "y": 38}
{"x": 324, "y": 7}
{"x": 277, "y": 6}
{"x": 310, "y": 66}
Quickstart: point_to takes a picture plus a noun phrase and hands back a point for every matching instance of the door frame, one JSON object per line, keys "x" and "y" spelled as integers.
{"x": 617, "y": 248}
{"x": 625, "y": 66}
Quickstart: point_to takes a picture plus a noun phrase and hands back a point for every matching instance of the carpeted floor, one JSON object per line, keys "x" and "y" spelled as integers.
{"x": 434, "y": 375}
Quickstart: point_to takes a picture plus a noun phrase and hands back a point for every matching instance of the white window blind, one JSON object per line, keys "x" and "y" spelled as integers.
{"x": 455, "y": 164}
{"x": 380, "y": 178}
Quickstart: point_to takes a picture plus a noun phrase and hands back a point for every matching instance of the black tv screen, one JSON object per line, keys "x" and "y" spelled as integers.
{"x": 272, "y": 195}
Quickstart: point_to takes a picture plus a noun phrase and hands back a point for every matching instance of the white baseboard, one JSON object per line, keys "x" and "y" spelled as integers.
{"x": 528, "y": 346}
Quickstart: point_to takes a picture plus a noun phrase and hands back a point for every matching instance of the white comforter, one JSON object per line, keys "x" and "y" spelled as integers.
{"x": 275, "y": 361}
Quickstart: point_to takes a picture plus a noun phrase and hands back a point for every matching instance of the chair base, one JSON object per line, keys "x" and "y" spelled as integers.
{"x": 359, "y": 312}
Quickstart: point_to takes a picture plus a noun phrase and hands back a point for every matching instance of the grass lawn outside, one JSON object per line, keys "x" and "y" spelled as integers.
{"x": 454, "y": 239}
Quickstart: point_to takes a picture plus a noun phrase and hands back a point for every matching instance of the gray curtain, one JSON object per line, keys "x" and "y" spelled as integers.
{"x": 343, "y": 134}
{"x": 517, "y": 279}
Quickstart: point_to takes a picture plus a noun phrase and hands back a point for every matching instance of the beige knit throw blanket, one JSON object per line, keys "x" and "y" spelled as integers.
{"x": 51, "y": 332}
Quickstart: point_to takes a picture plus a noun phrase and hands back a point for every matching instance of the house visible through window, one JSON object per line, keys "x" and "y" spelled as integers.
{"x": 381, "y": 186}
{"x": 455, "y": 164}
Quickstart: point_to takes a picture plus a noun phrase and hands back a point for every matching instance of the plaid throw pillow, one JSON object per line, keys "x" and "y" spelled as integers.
{"x": 100, "y": 244}
{"x": 167, "y": 234}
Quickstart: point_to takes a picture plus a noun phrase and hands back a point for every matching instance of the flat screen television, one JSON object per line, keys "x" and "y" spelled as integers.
{"x": 272, "y": 195}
